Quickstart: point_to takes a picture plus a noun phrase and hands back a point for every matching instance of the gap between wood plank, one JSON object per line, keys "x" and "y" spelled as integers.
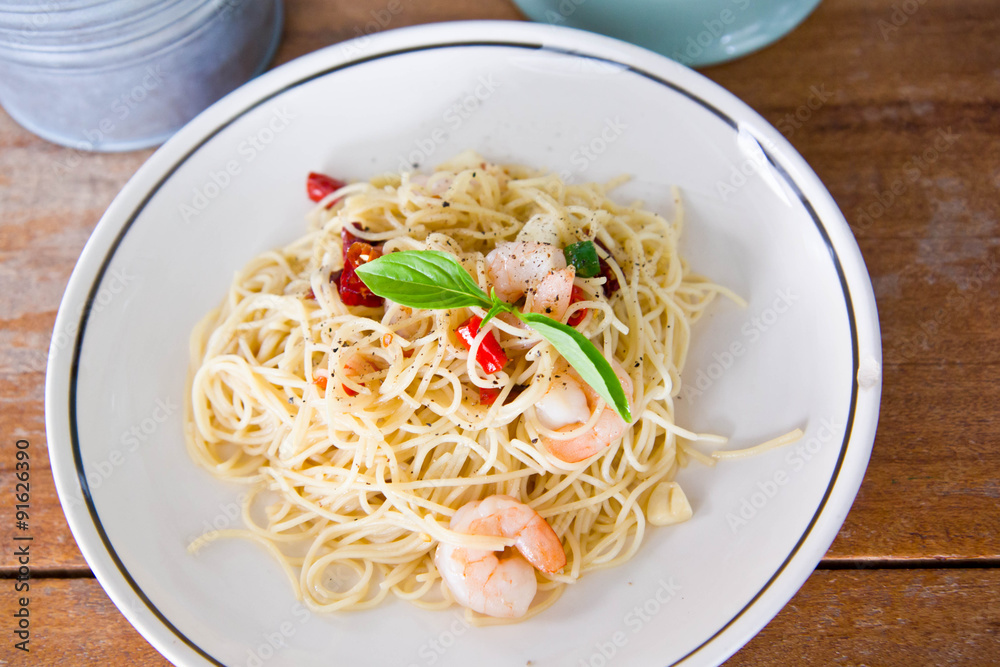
{"x": 838, "y": 564}
{"x": 46, "y": 573}
{"x": 909, "y": 564}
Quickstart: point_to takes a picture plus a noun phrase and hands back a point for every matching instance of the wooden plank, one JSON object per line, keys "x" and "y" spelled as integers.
{"x": 72, "y": 622}
{"x": 872, "y": 617}
{"x": 856, "y": 42}
{"x": 887, "y": 96}
{"x": 931, "y": 488}
{"x": 52, "y": 543}
{"x": 313, "y": 24}
{"x": 939, "y": 302}
{"x": 884, "y": 617}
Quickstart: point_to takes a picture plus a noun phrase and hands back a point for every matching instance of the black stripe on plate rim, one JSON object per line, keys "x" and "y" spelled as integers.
{"x": 75, "y": 364}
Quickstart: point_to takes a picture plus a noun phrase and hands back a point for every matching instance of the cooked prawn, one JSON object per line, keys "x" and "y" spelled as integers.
{"x": 561, "y": 409}
{"x": 552, "y": 295}
{"x": 513, "y": 268}
{"x": 503, "y": 585}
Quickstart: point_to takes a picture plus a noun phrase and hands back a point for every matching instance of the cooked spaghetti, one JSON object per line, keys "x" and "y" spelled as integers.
{"x": 362, "y": 427}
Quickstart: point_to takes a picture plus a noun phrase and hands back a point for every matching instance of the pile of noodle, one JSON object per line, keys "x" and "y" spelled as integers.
{"x": 353, "y": 490}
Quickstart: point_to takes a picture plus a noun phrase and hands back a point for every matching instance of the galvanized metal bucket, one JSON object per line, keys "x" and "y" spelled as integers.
{"x": 115, "y": 75}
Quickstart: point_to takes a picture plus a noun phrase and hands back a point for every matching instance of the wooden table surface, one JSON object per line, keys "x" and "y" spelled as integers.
{"x": 913, "y": 576}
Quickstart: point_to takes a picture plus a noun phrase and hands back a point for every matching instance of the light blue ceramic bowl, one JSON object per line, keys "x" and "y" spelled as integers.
{"x": 693, "y": 32}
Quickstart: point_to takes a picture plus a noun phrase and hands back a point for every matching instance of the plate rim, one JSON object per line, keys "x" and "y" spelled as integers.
{"x": 85, "y": 281}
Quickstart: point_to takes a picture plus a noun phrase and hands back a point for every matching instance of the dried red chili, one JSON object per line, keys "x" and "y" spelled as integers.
{"x": 348, "y": 239}
{"x": 319, "y": 186}
{"x": 352, "y": 290}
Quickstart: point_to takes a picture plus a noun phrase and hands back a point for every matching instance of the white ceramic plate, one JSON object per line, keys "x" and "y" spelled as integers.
{"x": 805, "y": 353}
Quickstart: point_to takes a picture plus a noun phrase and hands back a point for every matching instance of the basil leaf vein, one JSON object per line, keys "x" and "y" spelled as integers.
{"x": 423, "y": 279}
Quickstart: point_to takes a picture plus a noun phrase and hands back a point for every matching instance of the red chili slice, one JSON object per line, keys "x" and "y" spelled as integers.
{"x": 488, "y": 395}
{"x": 319, "y": 186}
{"x": 577, "y": 295}
{"x": 320, "y": 381}
{"x": 491, "y": 356}
{"x": 348, "y": 239}
{"x": 352, "y": 290}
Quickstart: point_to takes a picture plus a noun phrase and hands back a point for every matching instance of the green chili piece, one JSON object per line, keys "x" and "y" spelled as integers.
{"x": 583, "y": 256}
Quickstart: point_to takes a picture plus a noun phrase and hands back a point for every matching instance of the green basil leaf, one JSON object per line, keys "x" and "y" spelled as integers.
{"x": 434, "y": 279}
{"x": 423, "y": 279}
{"x": 585, "y": 358}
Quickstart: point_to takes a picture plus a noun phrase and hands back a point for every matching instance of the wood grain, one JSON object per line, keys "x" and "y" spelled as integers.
{"x": 73, "y": 622}
{"x": 902, "y": 123}
{"x": 884, "y": 618}
{"x": 850, "y": 618}
{"x": 52, "y": 546}
{"x": 313, "y": 24}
